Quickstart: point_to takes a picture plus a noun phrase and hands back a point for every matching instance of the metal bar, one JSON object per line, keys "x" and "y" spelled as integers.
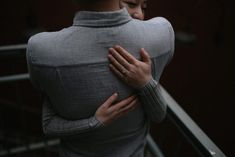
{"x": 193, "y": 133}
{"x": 153, "y": 147}
{"x": 30, "y": 147}
{"x": 13, "y": 47}
{"x": 13, "y": 78}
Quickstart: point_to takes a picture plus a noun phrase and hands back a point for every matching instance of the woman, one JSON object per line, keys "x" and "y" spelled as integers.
{"x": 136, "y": 8}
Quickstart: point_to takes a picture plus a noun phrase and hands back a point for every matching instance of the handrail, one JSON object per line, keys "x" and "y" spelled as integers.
{"x": 30, "y": 147}
{"x": 13, "y": 78}
{"x": 153, "y": 147}
{"x": 13, "y": 47}
{"x": 193, "y": 133}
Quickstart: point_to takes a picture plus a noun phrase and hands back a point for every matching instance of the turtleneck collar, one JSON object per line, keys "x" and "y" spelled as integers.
{"x": 101, "y": 19}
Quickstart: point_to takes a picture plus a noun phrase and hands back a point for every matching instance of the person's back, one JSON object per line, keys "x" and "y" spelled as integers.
{"x": 72, "y": 70}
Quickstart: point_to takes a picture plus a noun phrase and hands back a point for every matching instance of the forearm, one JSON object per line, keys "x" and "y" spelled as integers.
{"x": 54, "y": 125}
{"x": 153, "y": 101}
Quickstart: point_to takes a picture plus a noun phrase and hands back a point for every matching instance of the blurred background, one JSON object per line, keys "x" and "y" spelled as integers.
{"x": 200, "y": 77}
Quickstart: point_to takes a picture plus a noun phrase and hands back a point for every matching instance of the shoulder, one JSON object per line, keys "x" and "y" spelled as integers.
{"x": 159, "y": 36}
{"x": 161, "y": 23}
{"x": 38, "y": 40}
{"x": 41, "y": 44}
{"x": 159, "y": 20}
{"x": 157, "y": 27}
{"x": 166, "y": 31}
{"x": 36, "y": 44}
{"x": 46, "y": 38}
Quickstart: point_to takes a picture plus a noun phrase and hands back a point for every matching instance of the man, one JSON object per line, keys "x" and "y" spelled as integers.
{"x": 70, "y": 68}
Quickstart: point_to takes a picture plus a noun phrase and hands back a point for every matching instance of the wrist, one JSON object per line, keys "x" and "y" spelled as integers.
{"x": 143, "y": 84}
{"x": 95, "y": 123}
{"x": 151, "y": 82}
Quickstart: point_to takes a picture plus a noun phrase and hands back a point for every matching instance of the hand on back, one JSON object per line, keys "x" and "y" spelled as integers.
{"x": 132, "y": 71}
{"x": 111, "y": 110}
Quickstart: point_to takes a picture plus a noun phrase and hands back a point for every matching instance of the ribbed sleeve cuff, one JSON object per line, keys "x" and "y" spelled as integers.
{"x": 95, "y": 123}
{"x": 149, "y": 86}
{"x": 152, "y": 101}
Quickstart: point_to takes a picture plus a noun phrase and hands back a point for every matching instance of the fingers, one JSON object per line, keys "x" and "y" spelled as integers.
{"x": 110, "y": 100}
{"x": 116, "y": 71}
{"x": 122, "y": 103}
{"x": 145, "y": 56}
{"x": 124, "y": 112}
{"x": 126, "y": 109}
{"x": 109, "y": 111}
{"x": 125, "y": 54}
{"x": 119, "y": 58}
{"x": 129, "y": 106}
{"x": 118, "y": 66}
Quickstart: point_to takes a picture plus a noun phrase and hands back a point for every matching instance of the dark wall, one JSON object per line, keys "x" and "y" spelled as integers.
{"x": 20, "y": 19}
{"x": 201, "y": 74}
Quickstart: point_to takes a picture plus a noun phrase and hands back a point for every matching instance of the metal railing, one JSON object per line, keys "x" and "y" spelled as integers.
{"x": 190, "y": 130}
{"x": 13, "y": 47}
{"x": 13, "y": 78}
{"x": 30, "y": 147}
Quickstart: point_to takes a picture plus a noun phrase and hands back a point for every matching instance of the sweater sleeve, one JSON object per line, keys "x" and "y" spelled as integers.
{"x": 152, "y": 100}
{"x": 54, "y": 125}
{"x": 150, "y": 95}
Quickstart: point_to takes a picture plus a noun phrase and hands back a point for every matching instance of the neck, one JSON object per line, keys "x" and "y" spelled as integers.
{"x": 101, "y": 6}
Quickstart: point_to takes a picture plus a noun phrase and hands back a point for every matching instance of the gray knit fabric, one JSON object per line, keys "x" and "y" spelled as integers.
{"x": 70, "y": 68}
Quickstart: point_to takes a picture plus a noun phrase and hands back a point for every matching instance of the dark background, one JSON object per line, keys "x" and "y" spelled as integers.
{"x": 200, "y": 76}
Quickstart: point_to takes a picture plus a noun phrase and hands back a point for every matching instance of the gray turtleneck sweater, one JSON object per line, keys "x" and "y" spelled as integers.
{"x": 70, "y": 68}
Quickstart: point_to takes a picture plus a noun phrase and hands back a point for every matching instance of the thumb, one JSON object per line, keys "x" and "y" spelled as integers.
{"x": 145, "y": 56}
